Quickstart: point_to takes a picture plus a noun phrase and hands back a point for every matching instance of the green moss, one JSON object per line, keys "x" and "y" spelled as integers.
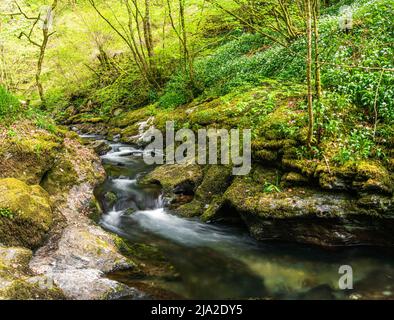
{"x": 131, "y": 117}
{"x": 23, "y": 290}
{"x": 60, "y": 177}
{"x": 304, "y": 166}
{"x": 191, "y": 209}
{"x": 216, "y": 180}
{"x": 28, "y": 154}
{"x": 149, "y": 260}
{"x": 211, "y": 213}
{"x": 111, "y": 198}
{"x": 31, "y": 213}
{"x": 294, "y": 179}
{"x": 95, "y": 210}
{"x": 171, "y": 176}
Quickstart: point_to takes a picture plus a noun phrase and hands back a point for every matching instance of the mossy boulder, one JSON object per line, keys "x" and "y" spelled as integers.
{"x": 215, "y": 182}
{"x": 30, "y": 213}
{"x": 28, "y": 153}
{"x": 363, "y": 177}
{"x": 110, "y": 198}
{"x": 373, "y": 177}
{"x": 249, "y": 197}
{"x": 213, "y": 210}
{"x": 34, "y": 288}
{"x": 193, "y": 208}
{"x": 176, "y": 178}
{"x": 294, "y": 179}
{"x": 308, "y": 214}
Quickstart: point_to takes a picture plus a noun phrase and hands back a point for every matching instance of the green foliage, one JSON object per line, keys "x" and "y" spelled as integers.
{"x": 304, "y": 152}
{"x": 177, "y": 91}
{"x": 11, "y": 133}
{"x": 244, "y": 62}
{"x": 368, "y": 45}
{"x": 6, "y": 213}
{"x": 271, "y": 188}
{"x": 127, "y": 91}
{"x": 43, "y": 122}
{"x": 359, "y": 146}
{"x": 9, "y": 105}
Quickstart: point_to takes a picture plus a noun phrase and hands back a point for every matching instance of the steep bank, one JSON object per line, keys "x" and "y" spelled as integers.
{"x": 47, "y": 196}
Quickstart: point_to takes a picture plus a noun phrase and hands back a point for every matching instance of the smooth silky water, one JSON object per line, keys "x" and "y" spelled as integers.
{"x": 217, "y": 261}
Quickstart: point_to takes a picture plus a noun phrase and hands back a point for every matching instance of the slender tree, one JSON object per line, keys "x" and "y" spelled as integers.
{"x": 316, "y": 13}
{"x": 45, "y": 21}
{"x": 137, "y": 35}
{"x": 308, "y": 11}
{"x": 183, "y": 38}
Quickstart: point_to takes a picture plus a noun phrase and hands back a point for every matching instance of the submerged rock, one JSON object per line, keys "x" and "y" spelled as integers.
{"x": 25, "y": 213}
{"x": 110, "y": 198}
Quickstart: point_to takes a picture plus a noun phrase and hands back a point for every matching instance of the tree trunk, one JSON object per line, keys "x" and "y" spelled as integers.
{"x": 316, "y": 13}
{"x": 187, "y": 58}
{"x": 46, "y": 35}
{"x": 308, "y": 8}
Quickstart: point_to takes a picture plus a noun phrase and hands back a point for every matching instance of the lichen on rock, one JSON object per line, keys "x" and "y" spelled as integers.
{"x": 17, "y": 280}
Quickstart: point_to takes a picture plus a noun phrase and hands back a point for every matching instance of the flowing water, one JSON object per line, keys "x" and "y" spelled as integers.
{"x": 214, "y": 261}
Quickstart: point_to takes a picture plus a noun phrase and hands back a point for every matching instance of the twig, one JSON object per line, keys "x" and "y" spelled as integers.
{"x": 327, "y": 164}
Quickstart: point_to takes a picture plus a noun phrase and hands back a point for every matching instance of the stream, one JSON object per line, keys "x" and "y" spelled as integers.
{"x": 215, "y": 261}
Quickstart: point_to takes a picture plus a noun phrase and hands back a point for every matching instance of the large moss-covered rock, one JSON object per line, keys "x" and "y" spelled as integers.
{"x": 362, "y": 176}
{"x": 309, "y": 215}
{"x": 27, "y": 153}
{"x": 216, "y": 180}
{"x": 26, "y": 214}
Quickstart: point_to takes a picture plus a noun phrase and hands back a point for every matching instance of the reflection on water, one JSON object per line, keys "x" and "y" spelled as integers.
{"x": 217, "y": 261}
